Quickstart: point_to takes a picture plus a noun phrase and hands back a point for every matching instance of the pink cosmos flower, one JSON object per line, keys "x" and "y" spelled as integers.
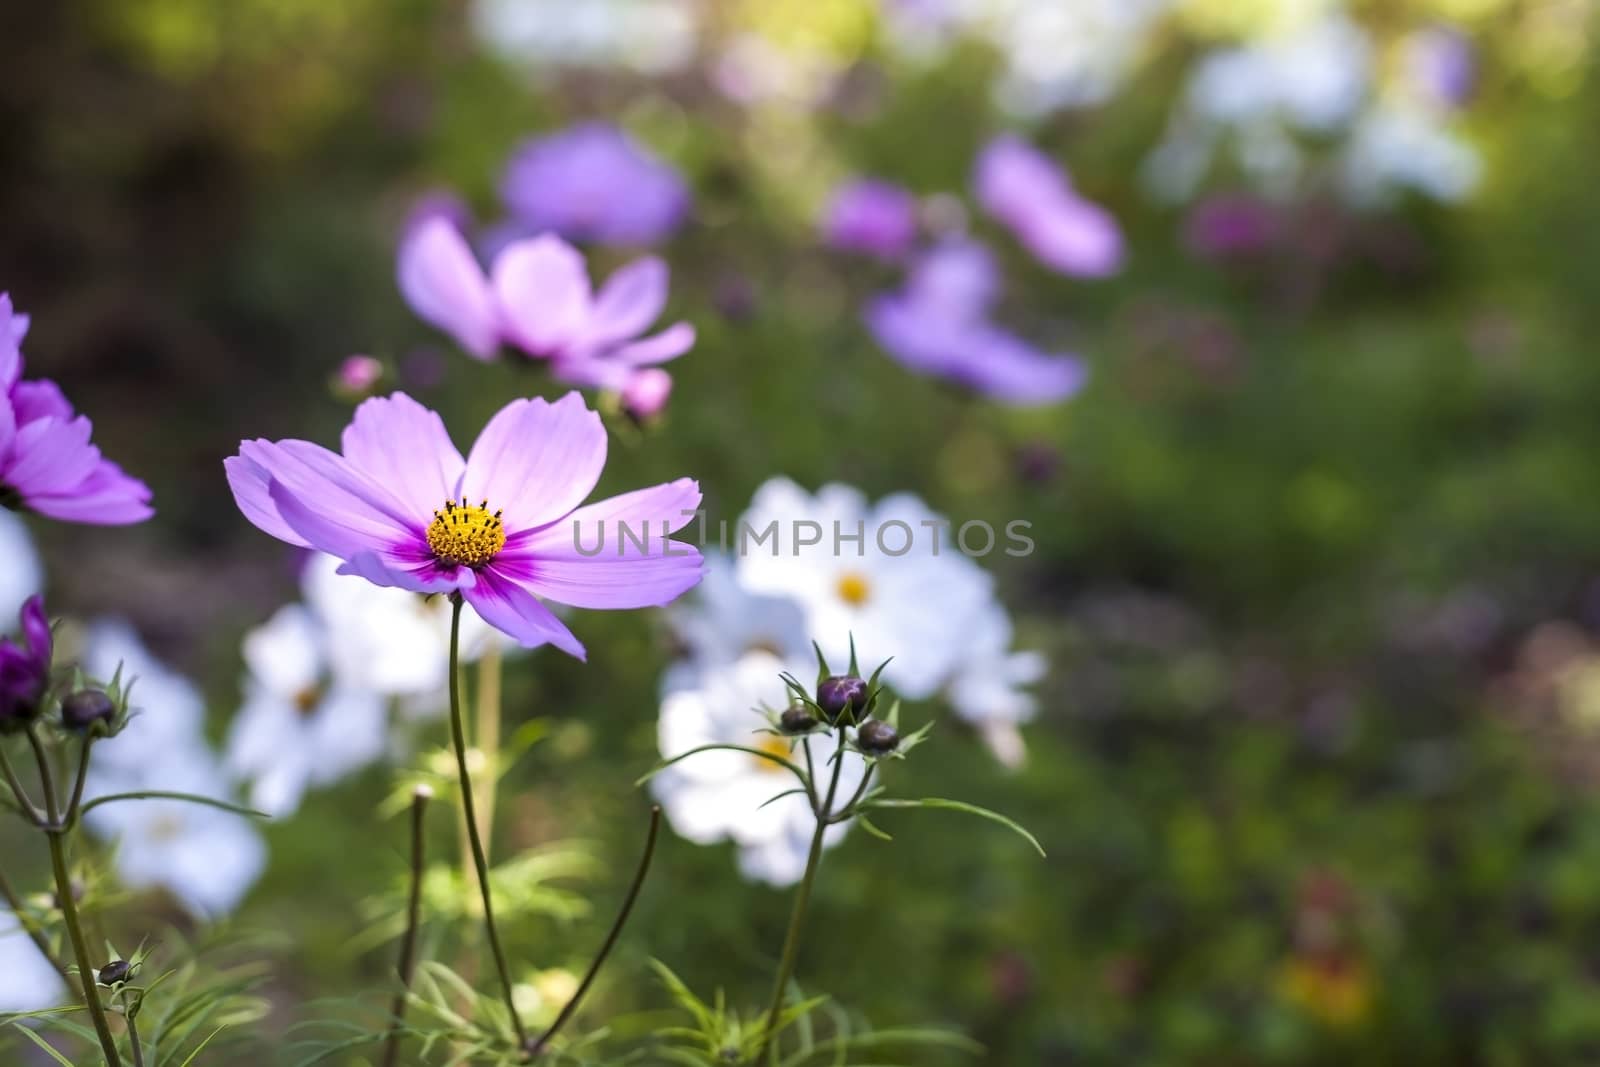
{"x": 871, "y": 216}
{"x": 502, "y": 527}
{"x": 537, "y": 298}
{"x": 46, "y": 461}
{"x": 1025, "y": 190}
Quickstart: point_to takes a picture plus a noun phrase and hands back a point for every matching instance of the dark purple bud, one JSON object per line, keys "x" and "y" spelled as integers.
{"x": 842, "y": 696}
{"x": 115, "y": 973}
{"x": 878, "y": 738}
{"x": 83, "y": 709}
{"x": 796, "y": 719}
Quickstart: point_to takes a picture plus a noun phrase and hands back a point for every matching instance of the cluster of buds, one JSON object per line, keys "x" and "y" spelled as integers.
{"x": 839, "y": 701}
{"x": 29, "y": 691}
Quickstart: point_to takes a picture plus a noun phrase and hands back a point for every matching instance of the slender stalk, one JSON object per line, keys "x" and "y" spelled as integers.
{"x": 31, "y": 928}
{"x": 17, "y": 790}
{"x": 80, "y": 951}
{"x": 133, "y": 1040}
{"x": 611, "y": 938}
{"x": 76, "y": 803}
{"x": 408, "y": 944}
{"x": 479, "y": 862}
{"x": 847, "y": 808}
{"x": 47, "y": 782}
{"x": 802, "y": 897}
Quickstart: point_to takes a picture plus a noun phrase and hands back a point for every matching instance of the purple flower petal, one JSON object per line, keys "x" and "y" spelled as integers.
{"x": 543, "y": 289}
{"x": 510, "y": 608}
{"x": 536, "y": 461}
{"x": 1024, "y": 189}
{"x": 50, "y": 455}
{"x": 36, "y": 628}
{"x": 108, "y": 497}
{"x": 407, "y": 566}
{"x": 669, "y": 506}
{"x": 628, "y": 303}
{"x": 444, "y": 285}
{"x": 39, "y": 400}
{"x": 325, "y": 485}
{"x": 401, "y": 445}
{"x": 13, "y": 328}
{"x": 593, "y": 182}
{"x": 876, "y": 217}
{"x": 8, "y": 427}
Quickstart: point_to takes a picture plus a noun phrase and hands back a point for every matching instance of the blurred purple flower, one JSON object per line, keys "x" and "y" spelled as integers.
{"x": 46, "y": 461}
{"x": 25, "y": 668}
{"x": 1023, "y": 189}
{"x": 938, "y": 324}
{"x": 592, "y": 182}
{"x": 1232, "y": 225}
{"x": 1441, "y": 62}
{"x": 537, "y": 298}
{"x": 871, "y": 216}
{"x": 401, "y": 508}
{"x": 438, "y": 204}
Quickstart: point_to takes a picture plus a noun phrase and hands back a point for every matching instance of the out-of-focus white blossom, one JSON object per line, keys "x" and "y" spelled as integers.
{"x": 27, "y": 980}
{"x": 650, "y": 36}
{"x": 21, "y": 576}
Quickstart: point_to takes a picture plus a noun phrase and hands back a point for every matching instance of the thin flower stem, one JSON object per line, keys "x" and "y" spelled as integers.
{"x": 133, "y": 1039}
{"x": 791, "y": 940}
{"x": 848, "y": 808}
{"x": 76, "y": 803}
{"x": 611, "y": 938}
{"x": 408, "y": 944}
{"x": 47, "y": 782}
{"x": 811, "y": 777}
{"x": 80, "y": 951}
{"x": 31, "y": 928}
{"x": 479, "y": 861}
{"x": 17, "y": 790}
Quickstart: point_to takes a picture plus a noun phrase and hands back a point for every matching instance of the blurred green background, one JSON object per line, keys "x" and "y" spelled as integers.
{"x": 1318, "y": 545}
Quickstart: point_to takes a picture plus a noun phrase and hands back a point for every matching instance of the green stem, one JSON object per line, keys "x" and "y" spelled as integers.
{"x": 479, "y": 862}
{"x": 80, "y": 951}
{"x": 133, "y": 1040}
{"x": 848, "y": 809}
{"x": 791, "y": 940}
{"x": 75, "y": 805}
{"x": 408, "y": 945}
{"x": 46, "y": 779}
{"x": 611, "y": 938}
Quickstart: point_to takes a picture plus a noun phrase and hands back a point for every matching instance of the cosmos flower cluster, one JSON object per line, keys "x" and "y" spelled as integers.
{"x": 759, "y": 614}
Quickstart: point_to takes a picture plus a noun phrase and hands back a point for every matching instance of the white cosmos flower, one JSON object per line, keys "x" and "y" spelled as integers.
{"x": 168, "y": 713}
{"x": 20, "y": 573}
{"x": 303, "y": 725}
{"x": 205, "y": 857}
{"x": 27, "y": 980}
{"x": 391, "y": 641}
{"x": 988, "y": 688}
{"x": 715, "y": 796}
{"x": 1400, "y": 145}
{"x": 721, "y": 619}
{"x": 904, "y": 590}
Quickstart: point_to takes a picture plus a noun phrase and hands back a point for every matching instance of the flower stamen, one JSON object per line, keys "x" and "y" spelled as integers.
{"x": 466, "y": 535}
{"x": 854, "y": 589}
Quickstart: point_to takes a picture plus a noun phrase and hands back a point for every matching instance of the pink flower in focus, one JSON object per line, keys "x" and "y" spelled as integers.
{"x": 502, "y": 527}
{"x": 1025, "y": 190}
{"x": 537, "y": 298}
{"x": 46, "y": 461}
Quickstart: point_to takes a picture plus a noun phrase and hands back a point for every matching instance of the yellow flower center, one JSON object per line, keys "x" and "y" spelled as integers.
{"x": 776, "y": 746}
{"x": 466, "y": 535}
{"x": 854, "y": 589}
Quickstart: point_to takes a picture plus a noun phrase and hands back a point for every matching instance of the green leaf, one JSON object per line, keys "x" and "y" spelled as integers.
{"x": 156, "y": 794}
{"x": 201, "y": 1047}
{"x": 42, "y": 1043}
{"x": 962, "y": 806}
{"x": 870, "y": 827}
{"x": 771, "y": 756}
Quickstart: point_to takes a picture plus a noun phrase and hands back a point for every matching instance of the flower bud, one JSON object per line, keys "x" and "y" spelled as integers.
{"x": 796, "y": 719}
{"x": 86, "y": 707}
{"x": 25, "y": 668}
{"x": 115, "y": 973}
{"x": 878, "y": 738}
{"x": 842, "y": 697}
